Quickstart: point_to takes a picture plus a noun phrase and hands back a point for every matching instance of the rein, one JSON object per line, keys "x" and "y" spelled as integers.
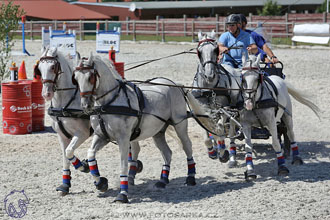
{"x": 185, "y": 87}
{"x": 150, "y": 61}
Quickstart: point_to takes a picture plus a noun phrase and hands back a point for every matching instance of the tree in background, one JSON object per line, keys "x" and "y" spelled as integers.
{"x": 270, "y": 8}
{"x": 322, "y": 8}
{"x": 10, "y": 15}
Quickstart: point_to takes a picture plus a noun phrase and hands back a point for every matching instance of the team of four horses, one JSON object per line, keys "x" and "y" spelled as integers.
{"x": 92, "y": 99}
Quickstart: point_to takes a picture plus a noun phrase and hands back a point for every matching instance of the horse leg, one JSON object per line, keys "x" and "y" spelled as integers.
{"x": 296, "y": 159}
{"x": 124, "y": 144}
{"x": 182, "y": 132}
{"x": 282, "y": 169}
{"x": 69, "y": 152}
{"x": 101, "y": 183}
{"x": 132, "y": 162}
{"x": 232, "y": 150}
{"x": 66, "y": 173}
{"x": 166, "y": 152}
{"x": 249, "y": 173}
{"x": 211, "y": 146}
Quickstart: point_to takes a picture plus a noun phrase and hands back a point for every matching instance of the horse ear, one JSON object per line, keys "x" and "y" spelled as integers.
{"x": 200, "y": 35}
{"x": 44, "y": 51}
{"x": 77, "y": 58}
{"x": 258, "y": 59}
{"x": 243, "y": 59}
{"x": 212, "y": 35}
{"x": 91, "y": 58}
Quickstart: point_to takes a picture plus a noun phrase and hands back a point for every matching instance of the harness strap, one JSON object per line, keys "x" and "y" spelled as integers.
{"x": 60, "y": 125}
{"x": 103, "y": 129}
{"x": 72, "y": 98}
{"x": 70, "y": 113}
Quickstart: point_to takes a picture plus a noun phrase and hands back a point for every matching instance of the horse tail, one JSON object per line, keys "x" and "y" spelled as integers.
{"x": 303, "y": 99}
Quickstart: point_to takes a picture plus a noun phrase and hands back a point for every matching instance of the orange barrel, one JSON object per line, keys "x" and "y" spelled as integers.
{"x": 120, "y": 68}
{"x": 38, "y": 105}
{"x": 16, "y": 108}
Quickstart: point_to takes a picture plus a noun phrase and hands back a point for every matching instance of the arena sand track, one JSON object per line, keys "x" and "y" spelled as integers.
{"x": 34, "y": 162}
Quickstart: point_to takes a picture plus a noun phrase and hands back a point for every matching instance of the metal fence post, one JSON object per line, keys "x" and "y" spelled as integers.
{"x": 157, "y": 25}
{"x": 193, "y": 31}
{"x": 55, "y": 25}
{"x": 286, "y": 24}
{"x": 80, "y": 30}
{"x": 106, "y": 25}
{"x": 127, "y": 25}
{"x": 163, "y": 31}
{"x": 134, "y": 33}
{"x": 217, "y": 23}
{"x": 185, "y": 25}
{"x": 31, "y": 29}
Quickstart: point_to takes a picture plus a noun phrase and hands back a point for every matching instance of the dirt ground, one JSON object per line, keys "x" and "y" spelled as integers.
{"x": 33, "y": 162}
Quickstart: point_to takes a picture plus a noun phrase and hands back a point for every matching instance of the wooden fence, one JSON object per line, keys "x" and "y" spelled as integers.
{"x": 273, "y": 26}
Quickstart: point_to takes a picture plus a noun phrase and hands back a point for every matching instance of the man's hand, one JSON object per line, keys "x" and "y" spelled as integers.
{"x": 224, "y": 49}
{"x": 274, "y": 59}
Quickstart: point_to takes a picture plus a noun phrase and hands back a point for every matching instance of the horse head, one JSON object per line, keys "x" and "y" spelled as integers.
{"x": 86, "y": 77}
{"x": 251, "y": 80}
{"x": 208, "y": 52}
{"x": 49, "y": 68}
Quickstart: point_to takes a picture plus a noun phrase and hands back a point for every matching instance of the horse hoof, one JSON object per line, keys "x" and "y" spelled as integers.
{"x": 225, "y": 157}
{"x": 63, "y": 189}
{"x": 232, "y": 164}
{"x": 131, "y": 180}
{"x": 102, "y": 185}
{"x": 85, "y": 165}
{"x": 250, "y": 175}
{"x": 190, "y": 181}
{"x": 282, "y": 171}
{"x": 297, "y": 161}
{"x": 121, "y": 198}
{"x": 139, "y": 166}
{"x": 160, "y": 185}
{"x": 213, "y": 154}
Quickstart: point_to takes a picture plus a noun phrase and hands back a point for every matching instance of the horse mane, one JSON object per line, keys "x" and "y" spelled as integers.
{"x": 105, "y": 65}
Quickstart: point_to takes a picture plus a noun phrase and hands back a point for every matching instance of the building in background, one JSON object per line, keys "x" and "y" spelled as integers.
{"x": 192, "y": 9}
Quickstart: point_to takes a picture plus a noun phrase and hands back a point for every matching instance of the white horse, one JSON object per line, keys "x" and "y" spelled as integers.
{"x": 266, "y": 103}
{"x": 125, "y": 113}
{"x": 208, "y": 76}
{"x": 69, "y": 121}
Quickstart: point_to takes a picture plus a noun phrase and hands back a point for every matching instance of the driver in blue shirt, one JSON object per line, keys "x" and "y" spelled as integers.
{"x": 263, "y": 48}
{"x": 235, "y": 42}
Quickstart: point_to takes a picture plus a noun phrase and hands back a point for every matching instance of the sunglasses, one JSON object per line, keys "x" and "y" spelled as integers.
{"x": 231, "y": 25}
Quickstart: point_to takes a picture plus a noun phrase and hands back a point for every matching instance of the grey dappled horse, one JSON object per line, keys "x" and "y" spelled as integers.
{"x": 208, "y": 76}
{"x": 267, "y": 103}
{"x": 125, "y": 113}
{"x": 68, "y": 119}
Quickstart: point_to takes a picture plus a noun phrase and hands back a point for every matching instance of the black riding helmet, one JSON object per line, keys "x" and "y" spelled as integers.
{"x": 233, "y": 19}
{"x": 243, "y": 18}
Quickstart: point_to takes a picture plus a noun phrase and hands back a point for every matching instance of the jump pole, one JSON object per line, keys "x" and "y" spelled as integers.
{"x": 23, "y": 35}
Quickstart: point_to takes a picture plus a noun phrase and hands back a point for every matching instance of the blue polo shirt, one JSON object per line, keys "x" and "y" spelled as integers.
{"x": 260, "y": 41}
{"x": 243, "y": 39}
